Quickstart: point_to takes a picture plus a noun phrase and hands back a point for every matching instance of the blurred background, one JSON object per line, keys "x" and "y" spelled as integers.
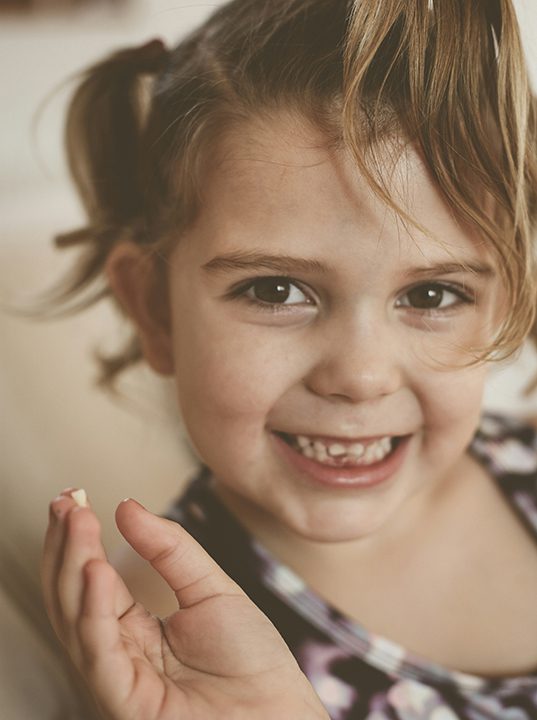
{"x": 57, "y": 429}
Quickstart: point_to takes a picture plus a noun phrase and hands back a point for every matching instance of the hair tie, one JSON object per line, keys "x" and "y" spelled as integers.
{"x": 153, "y": 56}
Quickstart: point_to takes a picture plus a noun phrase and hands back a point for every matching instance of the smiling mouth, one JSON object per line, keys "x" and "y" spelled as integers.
{"x": 342, "y": 453}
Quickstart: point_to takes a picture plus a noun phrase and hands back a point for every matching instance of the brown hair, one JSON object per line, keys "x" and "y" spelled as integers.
{"x": 449, "y": 76}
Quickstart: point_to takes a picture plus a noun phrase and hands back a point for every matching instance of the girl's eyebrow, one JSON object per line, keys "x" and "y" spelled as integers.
{"x": 254, "y": 260}
{"x": 450, "y": 268}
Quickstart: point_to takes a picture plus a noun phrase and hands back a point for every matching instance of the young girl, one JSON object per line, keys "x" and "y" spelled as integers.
{"x": 319, "y": 219}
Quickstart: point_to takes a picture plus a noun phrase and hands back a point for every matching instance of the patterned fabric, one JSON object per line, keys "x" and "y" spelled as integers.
{"x": 357, "y": 675}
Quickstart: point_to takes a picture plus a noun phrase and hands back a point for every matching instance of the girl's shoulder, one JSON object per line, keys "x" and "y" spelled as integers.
{"x": 507, "y": 448}
{"x": 498, "y": 427}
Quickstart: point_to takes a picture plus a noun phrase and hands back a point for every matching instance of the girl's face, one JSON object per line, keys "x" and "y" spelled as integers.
{"x": 308, "y": 320}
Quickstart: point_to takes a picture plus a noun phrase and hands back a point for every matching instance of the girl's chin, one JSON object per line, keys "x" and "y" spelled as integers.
{"x": 314, "y": 518}
{"x": 336, "y": 529}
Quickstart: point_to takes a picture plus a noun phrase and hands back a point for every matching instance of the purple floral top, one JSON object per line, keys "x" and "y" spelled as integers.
{"x": 358, "y": 675}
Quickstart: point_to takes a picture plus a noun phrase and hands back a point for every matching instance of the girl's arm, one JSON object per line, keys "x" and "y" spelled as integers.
{"x": 217, "y": 656}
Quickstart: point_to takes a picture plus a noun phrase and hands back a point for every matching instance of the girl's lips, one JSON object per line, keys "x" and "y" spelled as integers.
{"x": 357, "y": 476}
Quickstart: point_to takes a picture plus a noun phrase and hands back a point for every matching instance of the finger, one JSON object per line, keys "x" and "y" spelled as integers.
{"x": 52, "y": 556}
{"x": 126, "y": 681}
{"x": 190, "y": 572}
{"x": 103, "y": 656}
{"x": 82, "y": 543}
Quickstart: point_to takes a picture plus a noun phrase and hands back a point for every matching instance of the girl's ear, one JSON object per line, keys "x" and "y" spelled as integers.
{"x": 141, "y": 290}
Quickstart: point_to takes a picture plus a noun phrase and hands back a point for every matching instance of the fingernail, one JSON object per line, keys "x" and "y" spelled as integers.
{"x": 56, "y": 513}
{"x": 128, "y": 499}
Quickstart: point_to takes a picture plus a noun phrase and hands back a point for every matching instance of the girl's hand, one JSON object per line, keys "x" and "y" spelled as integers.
{"x": 217, "y": 657}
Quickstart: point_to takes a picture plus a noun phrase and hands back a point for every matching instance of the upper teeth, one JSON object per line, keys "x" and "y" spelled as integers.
{"x": 347, "y": 453}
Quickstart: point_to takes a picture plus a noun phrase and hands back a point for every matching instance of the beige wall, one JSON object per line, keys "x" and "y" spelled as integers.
{"x": 56, "y": 429}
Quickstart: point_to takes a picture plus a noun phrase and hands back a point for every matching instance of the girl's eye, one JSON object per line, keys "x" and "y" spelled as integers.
{"x": 275, "y": 291}
{"x": 433, "y": 296}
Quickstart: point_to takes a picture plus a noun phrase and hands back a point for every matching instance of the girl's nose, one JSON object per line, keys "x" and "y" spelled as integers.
{"x": 358, "y": 362}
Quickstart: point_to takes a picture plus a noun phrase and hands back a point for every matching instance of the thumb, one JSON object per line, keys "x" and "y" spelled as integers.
{"x": 187, "y": 568}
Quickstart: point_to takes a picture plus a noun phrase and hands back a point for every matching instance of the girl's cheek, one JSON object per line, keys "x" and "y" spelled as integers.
{"x": 236, "y": 380}
{"x": 454, "y": 398}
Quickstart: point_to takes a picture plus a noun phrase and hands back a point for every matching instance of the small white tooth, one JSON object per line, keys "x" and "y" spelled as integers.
{"x": 302, "y": 441}
{"x": 320, "y": 452}
{"x": 379, "y": 452}
{"x": 80, "y": 497}
{"x": 356, "y": 449}
{"x": 308, "y": 451}
{"x": 386, "y": 443}
{"x": 337, "y": 449}
{"x": 370, "y": 453}
{"x": 318, "y": 445}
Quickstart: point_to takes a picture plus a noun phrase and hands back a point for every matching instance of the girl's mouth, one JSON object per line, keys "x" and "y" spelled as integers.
{"x": 344, "y": 463}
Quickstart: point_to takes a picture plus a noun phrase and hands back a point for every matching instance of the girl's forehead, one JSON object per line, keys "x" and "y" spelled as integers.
{"x": 287, "y": 155}
{"x": 277, "y": 146}
{"x": 279, "y": 174}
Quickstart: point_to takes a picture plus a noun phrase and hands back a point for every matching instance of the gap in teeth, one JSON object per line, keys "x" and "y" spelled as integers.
{"x": 340, "y": 454}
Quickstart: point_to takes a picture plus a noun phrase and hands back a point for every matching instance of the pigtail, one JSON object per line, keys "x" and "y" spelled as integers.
{"x": 103, "y": 132}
